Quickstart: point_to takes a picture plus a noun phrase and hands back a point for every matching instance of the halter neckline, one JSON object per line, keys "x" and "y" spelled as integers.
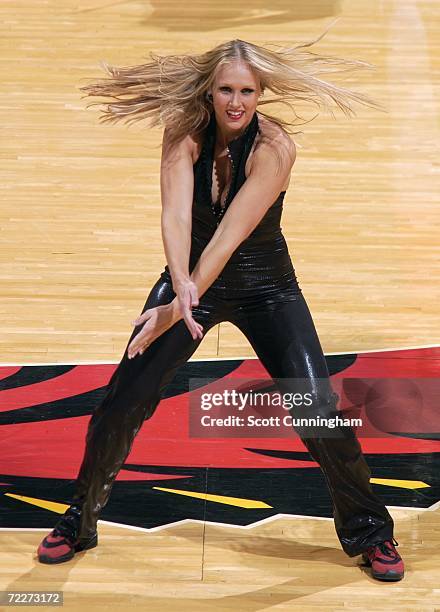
{"x": 238, "y": 150}
{"x": 234, "y": 145}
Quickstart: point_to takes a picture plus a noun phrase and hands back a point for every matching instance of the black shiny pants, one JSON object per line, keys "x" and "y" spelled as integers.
{"x": 283, "y": 336}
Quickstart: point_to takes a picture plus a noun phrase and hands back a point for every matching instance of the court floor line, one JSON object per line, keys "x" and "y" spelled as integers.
{"x": 361, "y": 352}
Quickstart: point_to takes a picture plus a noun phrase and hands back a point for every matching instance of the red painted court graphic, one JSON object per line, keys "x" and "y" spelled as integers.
{"x": 45, "y": 409}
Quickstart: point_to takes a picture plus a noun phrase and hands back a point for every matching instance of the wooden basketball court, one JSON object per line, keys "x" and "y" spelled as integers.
{"x": 187, "y": 528}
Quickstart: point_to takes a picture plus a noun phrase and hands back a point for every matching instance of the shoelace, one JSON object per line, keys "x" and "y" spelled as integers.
{"x": 67, "y": 526}
{"x": 386, "y": 549}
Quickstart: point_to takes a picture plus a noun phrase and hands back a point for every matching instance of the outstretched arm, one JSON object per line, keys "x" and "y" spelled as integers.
{"x": 177, "y": 188}
{"x": 244, "y": 213}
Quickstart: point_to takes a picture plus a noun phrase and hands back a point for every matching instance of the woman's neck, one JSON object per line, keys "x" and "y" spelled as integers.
{"x": 223, "y": 136}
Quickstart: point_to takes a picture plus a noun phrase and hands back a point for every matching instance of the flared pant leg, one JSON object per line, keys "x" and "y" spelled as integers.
{"x": 132, "y": 395}
{"x": 284, "y": 338}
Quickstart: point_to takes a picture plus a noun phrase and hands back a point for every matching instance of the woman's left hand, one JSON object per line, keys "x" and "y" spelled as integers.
{"x": 187, "y": 297}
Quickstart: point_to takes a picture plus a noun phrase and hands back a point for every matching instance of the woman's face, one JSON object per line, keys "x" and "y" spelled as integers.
{"x": 235, "y": 93}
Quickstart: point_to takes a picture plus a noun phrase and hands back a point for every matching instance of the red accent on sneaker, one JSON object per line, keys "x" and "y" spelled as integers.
{"x": 55, "y": 548}
{"x": 385, "y": 561}
{"x": 62, "y": 542}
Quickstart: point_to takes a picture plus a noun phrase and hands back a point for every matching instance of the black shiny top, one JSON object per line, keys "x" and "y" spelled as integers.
{"x": 206, "y": 214}
{"x": 261, "y": 265}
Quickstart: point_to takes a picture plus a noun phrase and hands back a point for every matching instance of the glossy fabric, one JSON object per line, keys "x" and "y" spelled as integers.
{"x": 260, "y": 268}
{"x": 258, "y": 292}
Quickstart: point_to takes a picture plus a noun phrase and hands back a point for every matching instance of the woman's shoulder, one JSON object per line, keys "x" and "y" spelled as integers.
{"x": 190, "y": 143}
{"x": 274, "y": 136}
{"x": 195, "y": 142}
{"x": 272, "y": 140}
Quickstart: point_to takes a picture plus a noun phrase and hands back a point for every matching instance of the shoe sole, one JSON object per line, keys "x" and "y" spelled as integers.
{"x": 388, "y": 577}
{"x": 78, "y": 548}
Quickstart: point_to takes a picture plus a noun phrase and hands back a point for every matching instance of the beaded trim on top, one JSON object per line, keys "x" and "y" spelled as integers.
{"x": 237, "y": 150}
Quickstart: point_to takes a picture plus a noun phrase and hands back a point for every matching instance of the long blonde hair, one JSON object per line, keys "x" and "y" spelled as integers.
{"x": 171, "y": 90}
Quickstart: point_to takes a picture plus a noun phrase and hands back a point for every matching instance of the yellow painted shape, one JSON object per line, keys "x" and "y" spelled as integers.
{"x": 41, "y": 503}
{"x": 219, "y": 499}
{"x": 403, "y": 484}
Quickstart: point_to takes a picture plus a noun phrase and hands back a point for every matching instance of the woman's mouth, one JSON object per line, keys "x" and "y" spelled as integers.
{"x": 235, "y": 116}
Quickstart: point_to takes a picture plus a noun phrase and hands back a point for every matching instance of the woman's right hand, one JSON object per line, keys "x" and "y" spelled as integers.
{"x": 187, "y": 296}
{"x": 156, "y": 320}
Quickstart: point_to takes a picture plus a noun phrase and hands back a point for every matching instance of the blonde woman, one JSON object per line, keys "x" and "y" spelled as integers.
{"x": 224, "y": 173}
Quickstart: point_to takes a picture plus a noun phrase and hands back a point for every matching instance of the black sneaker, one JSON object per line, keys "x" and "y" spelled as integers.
{"x": 385, "y": 561}
{"x": 62, "y": 542}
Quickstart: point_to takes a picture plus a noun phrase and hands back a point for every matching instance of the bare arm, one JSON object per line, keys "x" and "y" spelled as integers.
{"x": 246, "y": 210}
{"x": 177, "y": 188}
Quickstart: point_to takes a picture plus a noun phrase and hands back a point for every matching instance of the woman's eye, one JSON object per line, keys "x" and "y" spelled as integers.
{"x": 228, "y": 89}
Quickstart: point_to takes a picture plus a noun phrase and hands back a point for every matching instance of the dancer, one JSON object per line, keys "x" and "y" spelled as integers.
{"x": 224, "y": 173}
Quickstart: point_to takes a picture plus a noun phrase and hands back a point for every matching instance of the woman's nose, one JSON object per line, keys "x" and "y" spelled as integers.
{"x": 235, "y": 100}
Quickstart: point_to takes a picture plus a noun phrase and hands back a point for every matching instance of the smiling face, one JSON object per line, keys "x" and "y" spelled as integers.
{"x": 235, "y": 93}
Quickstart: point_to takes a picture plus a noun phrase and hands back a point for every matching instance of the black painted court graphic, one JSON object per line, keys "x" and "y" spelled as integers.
{"x": 169, "y": 476}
